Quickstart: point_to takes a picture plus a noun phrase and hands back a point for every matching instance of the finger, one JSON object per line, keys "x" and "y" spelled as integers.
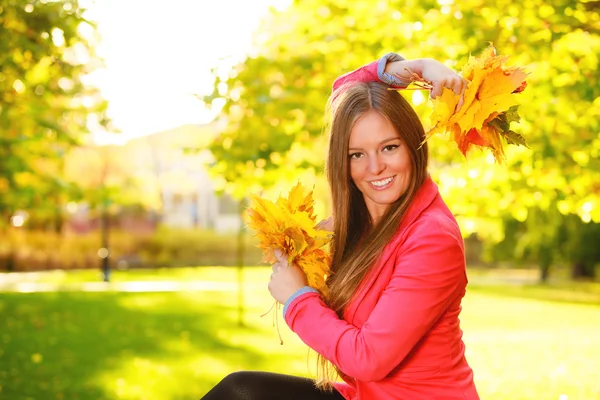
{"x": 456, "y": 84}
{"x": 278, "y": 254}
{"x": 325, "y": 224}
{"x": 328, "y": 224}
{"x": 464, "y": 85}
{"x": 276, "y": 266}
{"x": 282, "y": 258}
{"x": 460, "y": 103}
{"x": 438, "y": 88}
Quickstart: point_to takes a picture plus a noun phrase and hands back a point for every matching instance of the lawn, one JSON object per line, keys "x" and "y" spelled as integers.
{"x": 524, "y": 342}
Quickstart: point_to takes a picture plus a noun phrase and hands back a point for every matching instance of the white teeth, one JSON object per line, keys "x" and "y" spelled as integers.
{"x": 382, "y": 182}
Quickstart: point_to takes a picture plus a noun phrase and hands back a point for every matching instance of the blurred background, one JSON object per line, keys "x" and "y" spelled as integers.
{"x": 132, "y": 133}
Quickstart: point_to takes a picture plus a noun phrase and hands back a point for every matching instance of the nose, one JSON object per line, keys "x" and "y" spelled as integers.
{"x": 376, "y": 165}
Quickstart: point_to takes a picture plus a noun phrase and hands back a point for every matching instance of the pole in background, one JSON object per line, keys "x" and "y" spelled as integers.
{"x": 103, "y": 252}
{"x": 240, "y": 262}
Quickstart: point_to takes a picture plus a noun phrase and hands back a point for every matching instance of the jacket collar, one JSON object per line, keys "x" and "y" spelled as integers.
{"x": 424, "y": 197}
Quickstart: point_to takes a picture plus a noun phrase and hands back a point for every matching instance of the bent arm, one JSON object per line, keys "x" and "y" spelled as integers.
{"x": 376, "y": 71}
{"x": 427, "y": 277}
{"x": 397, "y": 72}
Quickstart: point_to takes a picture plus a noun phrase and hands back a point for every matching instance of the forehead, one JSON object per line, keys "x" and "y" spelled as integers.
{"x": 372, "y": 127}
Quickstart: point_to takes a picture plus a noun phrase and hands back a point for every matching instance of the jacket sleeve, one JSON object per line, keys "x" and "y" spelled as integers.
{"x": 428, "y": 275}
{"x": 374, "y": 71}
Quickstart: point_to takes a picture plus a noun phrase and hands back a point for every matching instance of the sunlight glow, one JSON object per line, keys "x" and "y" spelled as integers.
{"x": 58, "y": 37}
{"x": 66, "y": 84}
{"x": 72, "y": 207}
{"x": 19, "y": 218}
{"x": 19, "y": 86}
{"x": 470, "y": 226}
{"x": 418, "y": 98}
{"x": 17, "y": 221}
{"x": 157, "y": 61}
{"x": 85, "y": 30}
{"x": 103, "y": 252}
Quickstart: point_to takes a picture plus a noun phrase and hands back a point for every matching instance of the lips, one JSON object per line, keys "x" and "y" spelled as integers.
{"x": 382, "y": 184}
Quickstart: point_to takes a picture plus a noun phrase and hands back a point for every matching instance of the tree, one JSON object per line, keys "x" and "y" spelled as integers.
{"x": 274, "y": 100}
{"x": 46, "y": 49}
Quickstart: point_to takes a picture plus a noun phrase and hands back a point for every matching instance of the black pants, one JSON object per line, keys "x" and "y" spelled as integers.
{"x": 253, "y": 385}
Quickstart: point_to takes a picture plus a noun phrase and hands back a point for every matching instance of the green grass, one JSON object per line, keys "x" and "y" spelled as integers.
{"x": 523, "y": 342}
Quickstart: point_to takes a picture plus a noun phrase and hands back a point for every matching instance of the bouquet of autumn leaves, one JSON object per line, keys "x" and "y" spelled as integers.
{"x": 289, "y": 224}
{"x": 490, "y": 105}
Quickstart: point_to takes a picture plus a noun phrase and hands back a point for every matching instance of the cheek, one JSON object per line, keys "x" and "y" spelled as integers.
{"x": 354, "y": 172}
{"x": 404, "y": 164}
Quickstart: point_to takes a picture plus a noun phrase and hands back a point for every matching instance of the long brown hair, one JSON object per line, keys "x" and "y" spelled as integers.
{"x": 352, "y": 223}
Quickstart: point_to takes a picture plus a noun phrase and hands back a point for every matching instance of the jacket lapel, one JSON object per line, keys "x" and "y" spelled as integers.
{"x": 423, "y": 199}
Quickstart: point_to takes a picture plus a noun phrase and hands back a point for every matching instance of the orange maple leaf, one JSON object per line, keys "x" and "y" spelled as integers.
{"x": 490, "y": 104}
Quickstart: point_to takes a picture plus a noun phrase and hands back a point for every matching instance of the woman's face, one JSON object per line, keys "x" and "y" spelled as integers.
{"x": 380, "y": 164}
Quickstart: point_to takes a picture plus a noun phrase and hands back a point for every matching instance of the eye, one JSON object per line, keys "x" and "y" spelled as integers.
{"x": 390, "y": 147}
{"x": 355, "y": 156}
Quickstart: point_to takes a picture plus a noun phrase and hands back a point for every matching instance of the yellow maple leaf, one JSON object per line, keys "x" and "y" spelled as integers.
{"x": 489, "y": 97}
{"x": 289, "y": 224}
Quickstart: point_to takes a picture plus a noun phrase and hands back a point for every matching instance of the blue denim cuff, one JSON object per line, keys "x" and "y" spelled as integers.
{"x": 298, "y": 293}
{"x": 388, "y": 78}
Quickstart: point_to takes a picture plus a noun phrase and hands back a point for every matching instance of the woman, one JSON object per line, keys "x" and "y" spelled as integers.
{"x": 390, "y": 325}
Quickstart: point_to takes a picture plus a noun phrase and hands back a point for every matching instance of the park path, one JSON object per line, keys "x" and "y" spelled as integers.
{"x": 131, "y": 286}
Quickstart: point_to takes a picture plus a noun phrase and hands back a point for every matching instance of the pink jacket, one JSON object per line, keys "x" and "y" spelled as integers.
{"x": 400, "y": 336}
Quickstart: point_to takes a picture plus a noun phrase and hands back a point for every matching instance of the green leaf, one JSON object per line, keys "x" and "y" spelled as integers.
{"x": 513, "y": 137}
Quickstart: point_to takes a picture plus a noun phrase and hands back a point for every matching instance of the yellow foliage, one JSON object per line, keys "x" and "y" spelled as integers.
{"x": 490, "y": 104}
{"x": 289, "y": 225}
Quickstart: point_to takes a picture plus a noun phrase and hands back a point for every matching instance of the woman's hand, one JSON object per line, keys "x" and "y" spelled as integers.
{"x": 286, "y": 279}
{"x": 325, "y": 224}
{"x": 432, "y": 71}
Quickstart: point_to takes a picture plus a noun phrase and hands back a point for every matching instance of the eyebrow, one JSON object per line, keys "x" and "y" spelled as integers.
{"x": 380, "y": 143}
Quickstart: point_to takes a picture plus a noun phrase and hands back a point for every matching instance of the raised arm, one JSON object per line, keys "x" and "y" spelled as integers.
{"x": 376, "y": 71}
{"x": 395, "y": 71}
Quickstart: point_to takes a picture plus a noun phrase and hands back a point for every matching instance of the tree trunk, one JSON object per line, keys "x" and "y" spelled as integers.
{"x": 240, "y": 264}
{"x": 545, "y": 262}
{"x": 544, "y": 273}
{"x": 582, "y": 270}
{"x": 58, "y": 218}
{"x": 10, "y": 258}
{"x": 105, "y": 258}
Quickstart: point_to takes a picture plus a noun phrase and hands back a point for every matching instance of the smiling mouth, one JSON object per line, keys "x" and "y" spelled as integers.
{"x": 382, "y": 183}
